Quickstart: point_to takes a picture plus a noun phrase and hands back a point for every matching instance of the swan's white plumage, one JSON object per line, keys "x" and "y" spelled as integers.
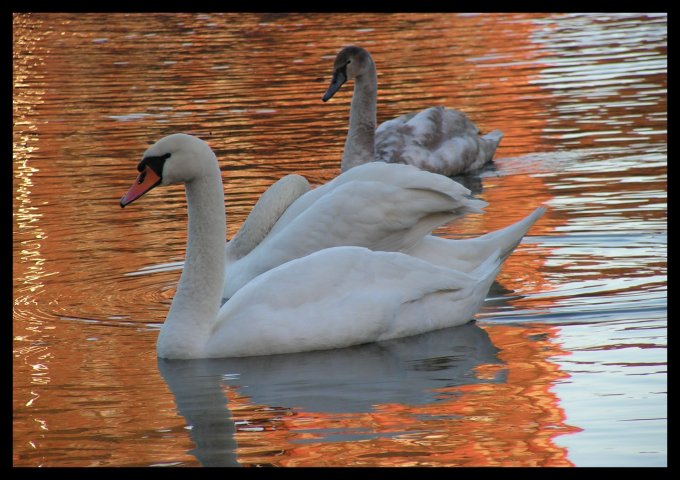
{"x": 380, "y": 207}
{"x": 467, "y": 254}
{"x": 437, "y": 139}
{"x": 332, "y": 298}
{"x": 376, "y": 205}
{"x": 267, "y": 210}
{"x": 346, "y": 296}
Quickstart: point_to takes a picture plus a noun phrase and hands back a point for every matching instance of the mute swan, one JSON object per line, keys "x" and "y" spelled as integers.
{"x": 388, "y": 208}
{"x": 376, "y": 205}
{"x": 436, "y": 139}
{"x": 333, "y": 298}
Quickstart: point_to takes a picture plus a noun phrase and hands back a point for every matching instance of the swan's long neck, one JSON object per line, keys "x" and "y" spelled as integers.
{"x": 268, "y": 209}
{"x": 359, "y": 146}
{"x": 197, "y": 300}
{"x": 255, "y": 228}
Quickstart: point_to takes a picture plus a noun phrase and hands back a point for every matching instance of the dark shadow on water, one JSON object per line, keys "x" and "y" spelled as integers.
{"x": 349, "y": 380}
{"x": 474, "y": 180}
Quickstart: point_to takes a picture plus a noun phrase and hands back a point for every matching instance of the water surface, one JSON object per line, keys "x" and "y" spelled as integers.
{"x": 566, "y": 363}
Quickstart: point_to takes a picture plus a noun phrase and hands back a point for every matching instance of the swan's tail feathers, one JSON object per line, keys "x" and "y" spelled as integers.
{"x": 487, "y": 271}
{"x": 490, "y": 143}
{"x": 494, "y": 137}
{"x": 506, "y": 239}
{"x": 490, "y": 266}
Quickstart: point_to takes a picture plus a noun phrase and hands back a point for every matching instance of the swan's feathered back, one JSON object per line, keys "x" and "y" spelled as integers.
{"x": 380, "y": 206}
{"x": 436, "y": 139}
{"x": 347, "y": 296}
{"x": 405, "y": 176}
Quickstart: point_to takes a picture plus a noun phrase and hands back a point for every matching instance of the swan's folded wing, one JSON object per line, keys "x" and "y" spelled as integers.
{"x": 436, "y": 139}
{"x": 371, "y": 214}
{"x": 405, "y": 176}
{"x": 347, "y": 296}
{"x": 390, "y": 214}
{"x": 466, "y": 254}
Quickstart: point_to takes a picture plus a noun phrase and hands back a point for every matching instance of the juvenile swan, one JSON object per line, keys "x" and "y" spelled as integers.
{"x": 335, "y": 297}
{"x": 436, "y": 139}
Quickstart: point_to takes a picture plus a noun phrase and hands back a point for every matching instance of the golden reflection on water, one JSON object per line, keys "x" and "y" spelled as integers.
{"x": 493, "y": 424}
{"x": 26, "y": 213}
{"x": 87, "y": 102}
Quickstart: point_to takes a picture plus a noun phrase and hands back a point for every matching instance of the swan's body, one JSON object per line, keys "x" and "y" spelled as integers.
{"x": 437, "y": 139}
{"x": 389, "y": 208}
{"x": 344, "y": 296}
{"x": 378, "y": 206}
{"x": 335, "y": 297}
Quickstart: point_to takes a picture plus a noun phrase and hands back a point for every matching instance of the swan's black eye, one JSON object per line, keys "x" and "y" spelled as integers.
{"x": 155, "y": 163}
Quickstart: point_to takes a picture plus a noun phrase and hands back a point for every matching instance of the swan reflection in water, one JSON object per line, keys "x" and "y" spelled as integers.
{"x": 410, "y": 370}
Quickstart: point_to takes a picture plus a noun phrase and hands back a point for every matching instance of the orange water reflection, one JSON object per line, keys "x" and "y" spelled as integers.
{"x": 87, "y": 101}
{"x": 493, "y": 424}
{"x": 93, "y": 365}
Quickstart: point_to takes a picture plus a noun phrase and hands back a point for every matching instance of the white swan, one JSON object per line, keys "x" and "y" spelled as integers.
{"x": 333, "y": 298}
{"x": 388, "y": 208}
{"x": 378, "y": 206}
{"x": 437, "y": 139}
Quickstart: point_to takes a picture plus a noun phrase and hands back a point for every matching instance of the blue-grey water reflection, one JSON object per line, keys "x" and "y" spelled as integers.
{"x": 349, "y": 380}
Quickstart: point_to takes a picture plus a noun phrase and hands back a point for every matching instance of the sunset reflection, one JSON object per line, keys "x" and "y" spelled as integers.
{"x": 581, "y": 102}
{"x": 508, "y": 423}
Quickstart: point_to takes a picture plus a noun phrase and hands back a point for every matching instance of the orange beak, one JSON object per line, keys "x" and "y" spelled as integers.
{"x": 146, "y": 180}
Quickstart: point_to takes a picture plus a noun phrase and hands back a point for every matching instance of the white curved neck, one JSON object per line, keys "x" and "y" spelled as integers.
{"x": 194, "y": 309}
{"x": 256, "y": 226}
{"x": 359, "y": 146}
{"x": 268, "y": 209}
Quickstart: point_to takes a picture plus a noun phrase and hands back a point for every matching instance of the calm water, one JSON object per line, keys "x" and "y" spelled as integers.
{"x": 566, "y": 364}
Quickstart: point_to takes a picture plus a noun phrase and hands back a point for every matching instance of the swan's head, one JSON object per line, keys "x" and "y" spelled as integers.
{"x": 173, "y": 159}
{"x": 350, "y": 63}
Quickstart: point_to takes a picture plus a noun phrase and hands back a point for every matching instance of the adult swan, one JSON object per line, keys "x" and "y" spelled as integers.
{"x": 333, "y": 298}
{"x": 375, "y": 205}
{"x": 437, "y": 139}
